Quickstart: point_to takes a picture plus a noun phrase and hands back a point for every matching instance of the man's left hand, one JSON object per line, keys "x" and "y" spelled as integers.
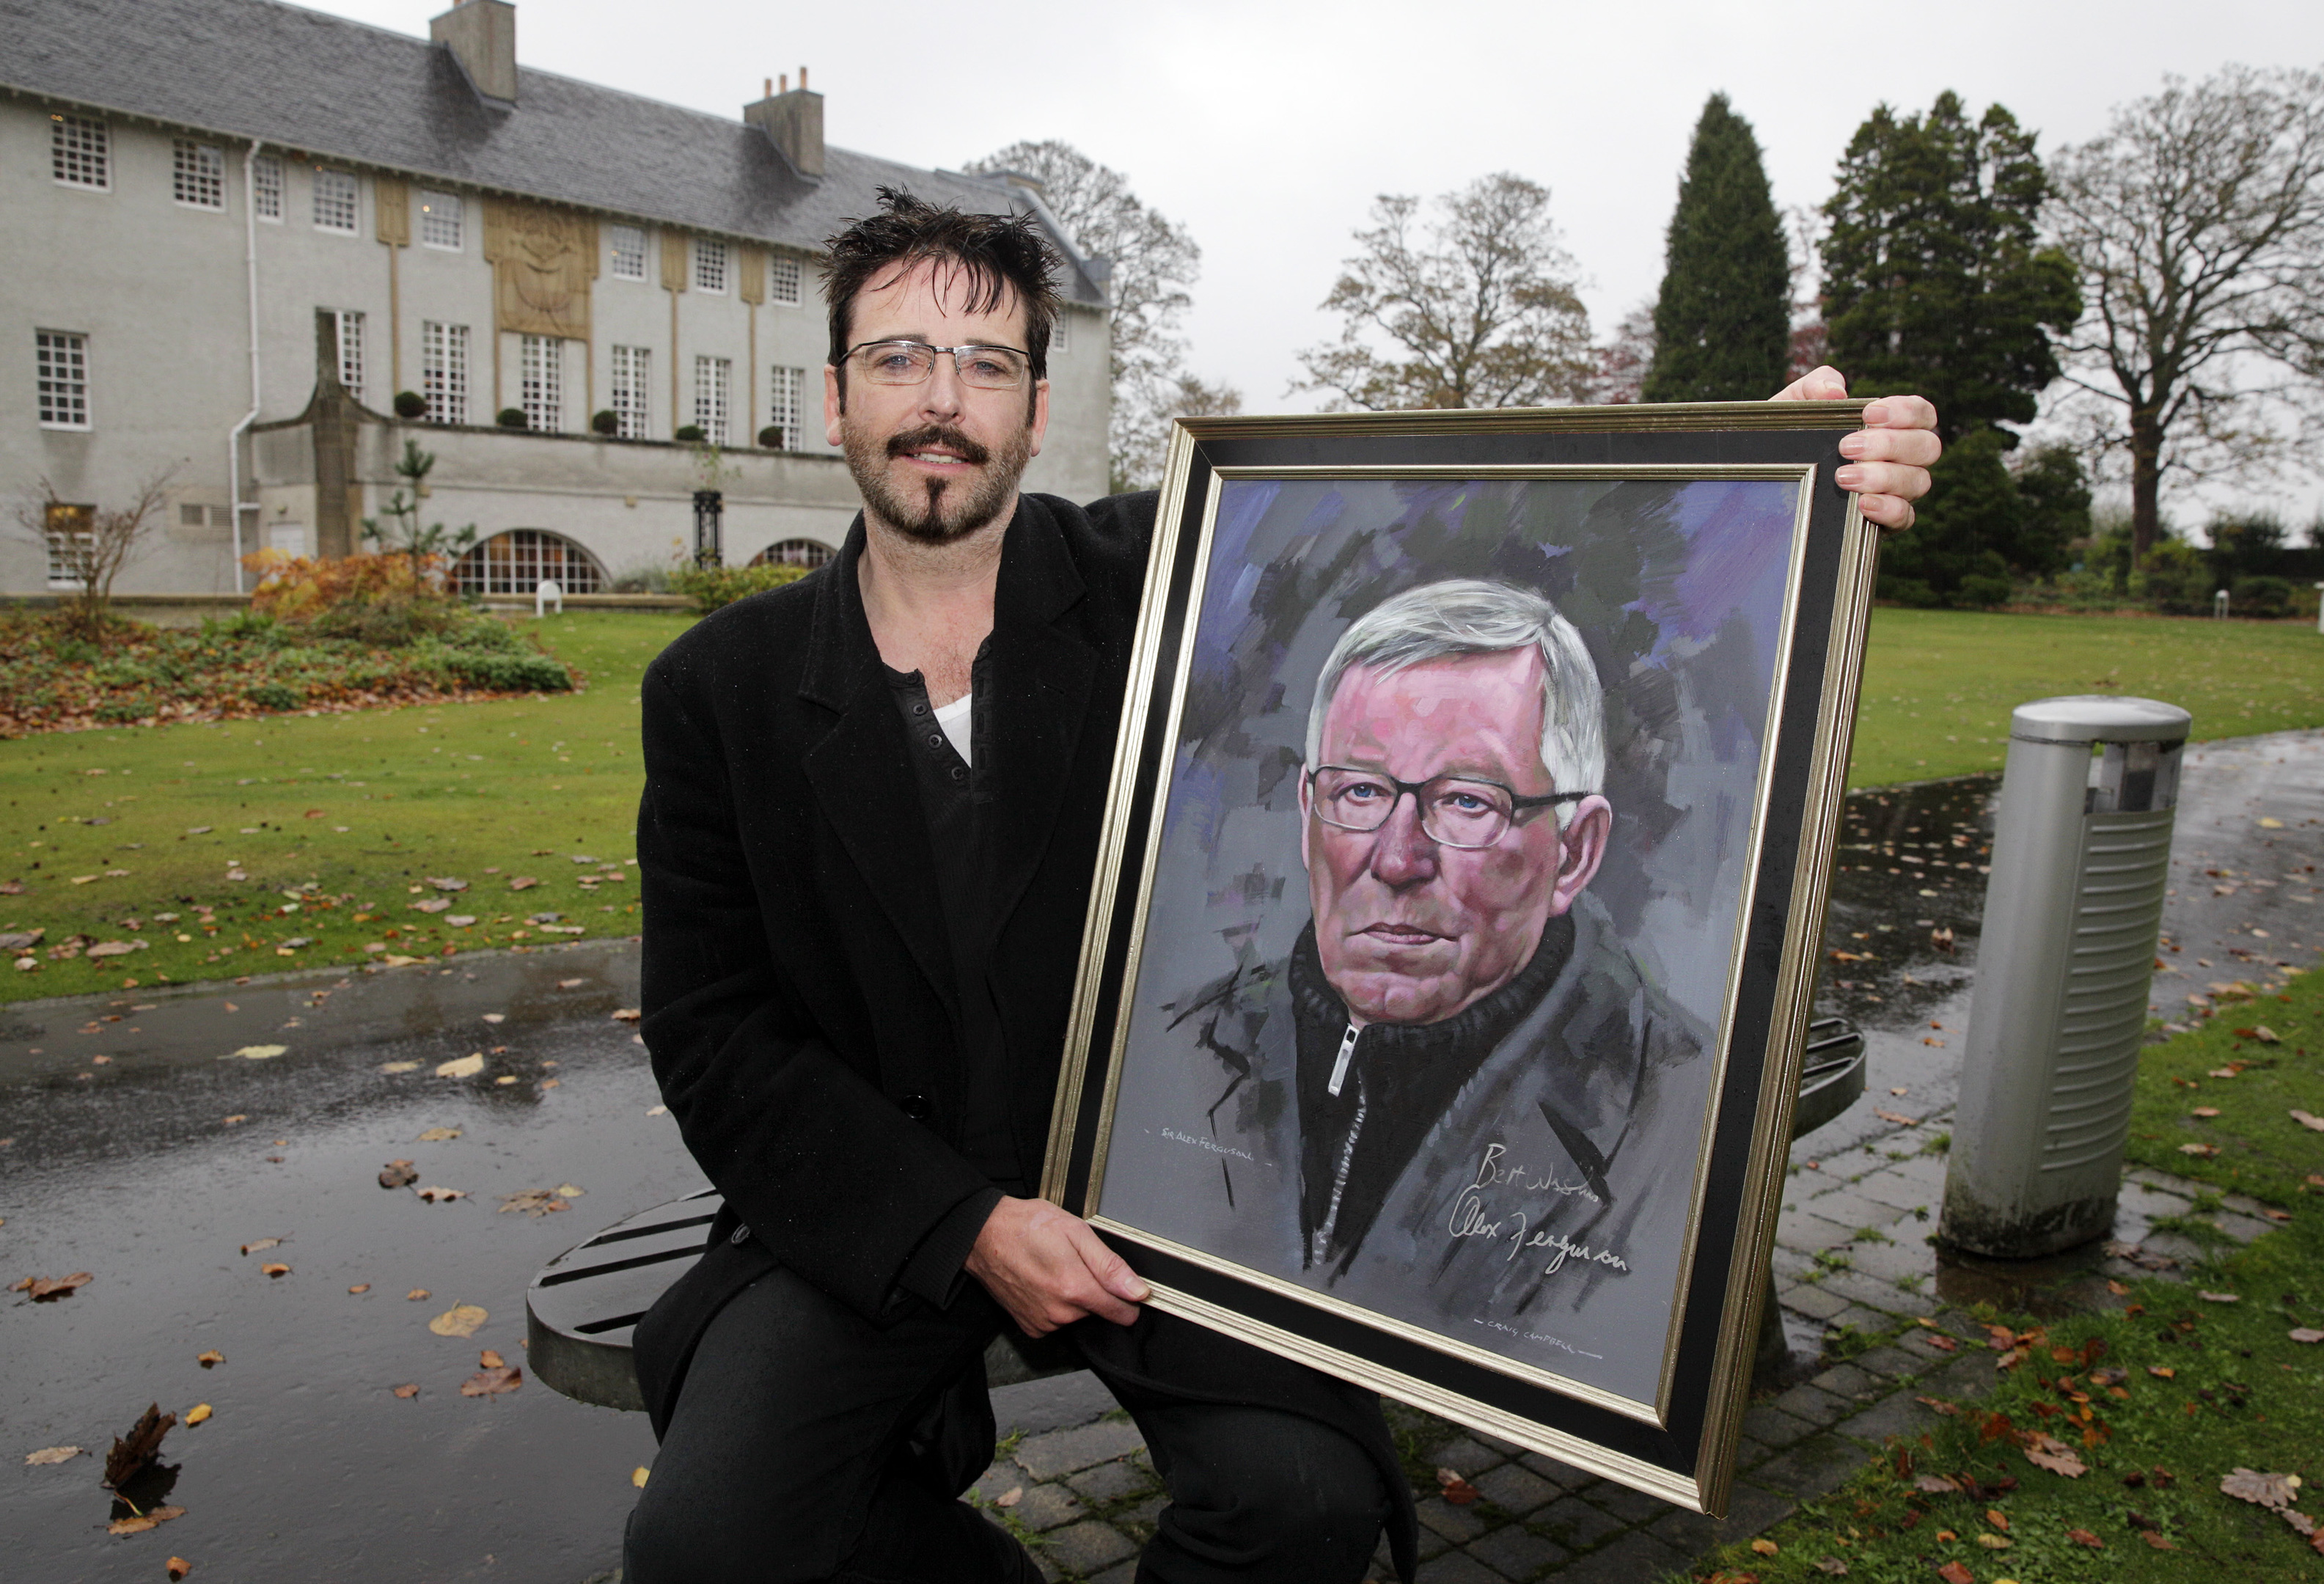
{"x": 1889, "y": 457}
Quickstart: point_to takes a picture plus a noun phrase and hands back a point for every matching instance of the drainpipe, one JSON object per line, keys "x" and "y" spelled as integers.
{"x": 234, "y": 436}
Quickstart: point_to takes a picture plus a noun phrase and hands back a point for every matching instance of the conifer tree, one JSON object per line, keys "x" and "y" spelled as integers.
{"x": 1934, "y": 279}
{"x": 1722, "y": 324}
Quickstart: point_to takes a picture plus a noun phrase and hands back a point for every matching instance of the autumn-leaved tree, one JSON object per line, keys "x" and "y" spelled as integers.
{"x": 1935, "y": 278}
{"x": 1723, "y": 319}
{"x": 1473, "y": 306}
{"x": 1153, "y": 261}
{"x": 87, "y": 545}
{"x": 2197, "y": 222}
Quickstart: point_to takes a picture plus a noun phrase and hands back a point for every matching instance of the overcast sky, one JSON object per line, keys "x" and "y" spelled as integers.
{"x": 1267, "y": 129}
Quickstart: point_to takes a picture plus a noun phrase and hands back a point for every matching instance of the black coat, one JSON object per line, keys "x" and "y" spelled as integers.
{"x": 798, "y": 998}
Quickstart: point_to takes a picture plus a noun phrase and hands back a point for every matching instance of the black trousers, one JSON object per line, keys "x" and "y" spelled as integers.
{"x": 807, "y": 1445}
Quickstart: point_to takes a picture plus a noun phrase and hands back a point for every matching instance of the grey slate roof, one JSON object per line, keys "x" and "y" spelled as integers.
{"x": 325, "y": 87}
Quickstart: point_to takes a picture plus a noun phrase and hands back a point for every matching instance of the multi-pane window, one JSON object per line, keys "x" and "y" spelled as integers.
{"x": 70, "y": 531}
{"x": 713, "y": 381}
{"x": 628, "y": 245}
{"x": 334, "y": 201}
{"x": 266, "y": 186}
{"x": 632, "y": 389}
{"x": 440, "y": 218}
{"x": 808, "y": 553}
{"x": 198, "y": 175}
{"x": 783, "y": 281}
{"x": 80, "y": 152}
{"x": 1060, "y": 333}
{"x": 519, "y": 560}
{"x": 193, "y": 515}
{"x": 710, "y": 265}
{"x": 542, "y": 367}
{"x": 63, "y": 360}
{"x": 444, "y": 371}
{"x": 783, "y": 407}
{"x": 351, "y": 351}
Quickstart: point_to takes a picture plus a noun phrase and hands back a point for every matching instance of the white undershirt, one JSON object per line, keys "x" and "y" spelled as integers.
{"x": 954, "y": 718}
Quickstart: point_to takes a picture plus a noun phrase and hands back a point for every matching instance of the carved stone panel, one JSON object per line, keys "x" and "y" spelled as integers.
{"x": 751, "y": 274}
{"x": 543, "y": 260}
{"x": 393, "y": 196}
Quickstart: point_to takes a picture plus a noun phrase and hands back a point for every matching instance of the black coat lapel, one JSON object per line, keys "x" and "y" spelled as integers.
{"x": 862, "y": 771}
{"x": 1041, "y": 677}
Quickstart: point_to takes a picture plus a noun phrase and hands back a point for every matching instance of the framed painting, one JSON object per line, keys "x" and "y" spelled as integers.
{"x": 1454, "y": 932}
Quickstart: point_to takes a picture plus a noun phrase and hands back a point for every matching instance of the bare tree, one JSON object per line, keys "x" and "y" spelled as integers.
{"x": 1153, "y": 261}
{"x": 88, "y": 544}
{"x": 1476, "y": 308}
{"x": 1623, "y": 361}
{"x": 1146, "y": 446}
{"x": 2197, "y": 222}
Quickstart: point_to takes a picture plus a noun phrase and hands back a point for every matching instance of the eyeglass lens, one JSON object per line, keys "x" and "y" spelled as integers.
{"x": 1455, "y": 812}
{"x": 910, "y": 362}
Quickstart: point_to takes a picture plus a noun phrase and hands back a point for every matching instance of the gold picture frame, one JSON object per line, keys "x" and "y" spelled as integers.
{"x": 1719, "y": 581}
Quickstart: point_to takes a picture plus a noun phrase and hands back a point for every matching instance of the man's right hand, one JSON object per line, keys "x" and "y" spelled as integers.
{"x": 1047, "y": 1268}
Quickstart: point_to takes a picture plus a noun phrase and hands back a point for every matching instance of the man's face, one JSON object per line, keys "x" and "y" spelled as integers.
{"x": 934, "y": 461}
{"x": 1410, "y": 930}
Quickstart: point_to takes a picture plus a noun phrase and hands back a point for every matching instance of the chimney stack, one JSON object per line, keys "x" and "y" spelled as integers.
{"x": 481, "y": 37}
{"x": 792, "y": 120}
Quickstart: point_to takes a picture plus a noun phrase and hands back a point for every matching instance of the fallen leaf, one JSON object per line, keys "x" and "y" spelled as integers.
{"x": 439, "y": 1135}
{"x": 1996, "y": 1541}
{"x": 178, "y": 1568}
{"x": 151, "y": 1519}
{"x": 399, "y": 1066}
{"x": 416, "y": 1294}
{"x": 2310, "y": 1120}
{"x": 627, "y": 1013}
{"x": 496, "y": 1017}
{"x": 524, "y": 883}
{"x": 2154, "y": 1539}
{"x": 2084, "y": 1537}
{"x": 468, "y": 1066}
{"x": 1764, "y": 1546}
{"x": 2265, "y": 1035}
{"x": 197, "y": 1414}
{"x": 433, "y": 905}
{"x": 1901, "y": 1121}
{"x": 1997, "y": 1518}
{"x": 276, "y": 1270}
{"x": 262, "y": 1243}
{"x": 2306, "y": 1333}
{"x": 2205, "y": 1150}
{"x": 211, "y": 1360}
{"x": 2207, "y": 1112}
{"x": 49, "y": 1289}
{"x": 487, "y": 1383}
{"x": 359, "y": 1287}
{"x": 533, "y": 1201}
{"x": 2262, "y": 1490}
{"x": 131, "y": 1453}
{"x": 2218, "y": 1297}
{"x": 490, "y": 1360}
{"x": 397, "y": 1175}
{"x": 446, "y": 883}
{"x": 408, "y": 1390}
{"x": 2161, "y": 1371}
{"x": 459, "y": 1320}
{"x": 432, "y": 1195}
{"x": 2045, "y": 1451}
{"x": 1954, "y": 1574}
{"x": 638, "y": 1478}
{"x": 53, "y": 1455}
{"x": 1934, "y": 1485}
{"x": 1833, "y": 1565}
{"x": 1454, "y": 1489}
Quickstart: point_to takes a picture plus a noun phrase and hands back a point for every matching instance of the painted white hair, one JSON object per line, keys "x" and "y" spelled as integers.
{"x": 1470, "y": 616}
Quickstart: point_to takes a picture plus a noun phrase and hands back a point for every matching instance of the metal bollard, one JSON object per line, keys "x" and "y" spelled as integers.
{"x": 2082, "y": 855}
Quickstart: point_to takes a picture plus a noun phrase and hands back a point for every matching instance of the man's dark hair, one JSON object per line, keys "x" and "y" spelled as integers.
{"x": 998, "y": 254}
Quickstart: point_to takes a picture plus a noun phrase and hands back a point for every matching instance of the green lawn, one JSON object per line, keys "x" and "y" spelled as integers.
{"x": 1939, "y": 685}
{"x": 355, "y": 812}
{"x": 489, "y": 792}
{"x": 2189, "y": 1380}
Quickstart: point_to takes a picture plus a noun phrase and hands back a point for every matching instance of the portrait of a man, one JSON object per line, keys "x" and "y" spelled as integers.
{"x": 1442, "y": 1079}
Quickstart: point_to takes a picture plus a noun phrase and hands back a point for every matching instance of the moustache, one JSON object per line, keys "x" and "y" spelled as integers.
{"x": 952, "y": 440}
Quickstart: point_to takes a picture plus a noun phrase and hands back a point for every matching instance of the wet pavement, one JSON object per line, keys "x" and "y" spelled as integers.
{"x": 311, "y": 1468}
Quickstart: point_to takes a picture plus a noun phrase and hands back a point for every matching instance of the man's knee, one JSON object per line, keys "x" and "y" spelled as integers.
{"x": 1273, "y": 1493}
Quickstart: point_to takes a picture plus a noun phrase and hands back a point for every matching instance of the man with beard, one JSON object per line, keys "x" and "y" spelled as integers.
{"x": 872, "y": 810}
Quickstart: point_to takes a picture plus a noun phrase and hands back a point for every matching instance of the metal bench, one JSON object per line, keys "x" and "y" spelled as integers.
{"x": 582, "y": 1309}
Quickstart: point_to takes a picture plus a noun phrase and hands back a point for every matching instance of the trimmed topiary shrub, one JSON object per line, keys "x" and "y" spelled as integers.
{"x": 410, "y": 404}
{"x": 691, "y": 433}
{"x": 607, "y": 423}
{"x": 771, "y": 437}
{"x": 511, "y": 418}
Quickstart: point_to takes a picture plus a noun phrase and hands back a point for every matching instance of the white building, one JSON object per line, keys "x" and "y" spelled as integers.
{"x": 236, "y": 230}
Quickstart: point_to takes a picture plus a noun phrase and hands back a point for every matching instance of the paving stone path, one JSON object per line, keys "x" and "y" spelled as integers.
{"x": 1854, "y": 1272}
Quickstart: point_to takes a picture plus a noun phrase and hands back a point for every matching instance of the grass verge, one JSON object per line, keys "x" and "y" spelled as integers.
{"x": 186, "y": 843}
{"x": 2158, "y": 1403}
{"x": 1939, "y": 685}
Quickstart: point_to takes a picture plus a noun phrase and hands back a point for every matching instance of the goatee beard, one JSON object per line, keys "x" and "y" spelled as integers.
{"x": 947, "y": 509}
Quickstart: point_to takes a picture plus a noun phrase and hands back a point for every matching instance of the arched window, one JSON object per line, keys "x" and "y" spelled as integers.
{"x": 808, "y": 553}
{"x": 517, "y": 561}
